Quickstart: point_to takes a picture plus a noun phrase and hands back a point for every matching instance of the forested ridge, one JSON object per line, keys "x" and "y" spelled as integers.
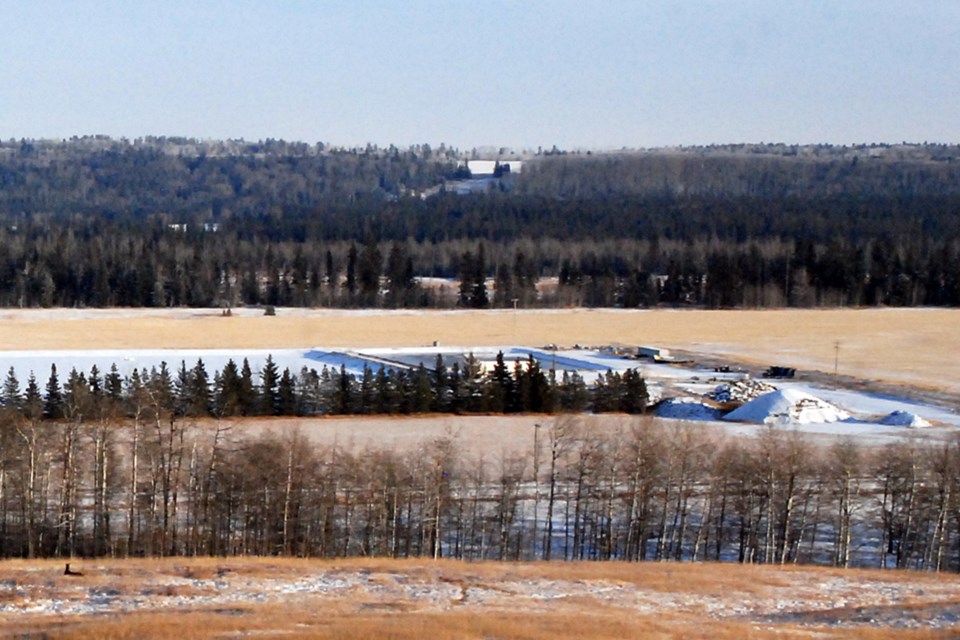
{"x": 171, "y": 222}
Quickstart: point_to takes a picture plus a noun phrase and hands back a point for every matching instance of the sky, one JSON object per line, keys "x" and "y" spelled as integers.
{"x": 578, "y": 74}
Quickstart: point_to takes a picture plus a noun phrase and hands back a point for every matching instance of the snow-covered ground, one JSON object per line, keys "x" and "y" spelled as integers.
{"x": 842, "y": 412}
{"x": 869, "y": 416}
{"x": 854, "y": 413}
{"x": 767, "y": 596}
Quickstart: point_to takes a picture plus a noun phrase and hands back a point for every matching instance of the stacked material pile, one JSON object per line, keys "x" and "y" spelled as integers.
{"x": 787, "y": 406}
{"x": 741, "y": 391}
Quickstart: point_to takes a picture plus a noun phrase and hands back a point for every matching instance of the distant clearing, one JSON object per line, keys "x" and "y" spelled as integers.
{"x": 914, "y": 346}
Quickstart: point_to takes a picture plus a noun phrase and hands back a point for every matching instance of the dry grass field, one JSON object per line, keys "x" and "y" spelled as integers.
{"x": 494, "y": 437}
{"x": 915, "y": 346}
{"x": 275, "y": 598}
{"x": 213, "y": 598}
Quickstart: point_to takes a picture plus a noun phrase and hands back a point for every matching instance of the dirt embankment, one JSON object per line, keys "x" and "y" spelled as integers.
{"x": 416, "y": 598}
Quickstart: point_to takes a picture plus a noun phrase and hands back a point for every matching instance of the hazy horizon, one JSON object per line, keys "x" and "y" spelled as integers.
{"x": 502, "y": 74}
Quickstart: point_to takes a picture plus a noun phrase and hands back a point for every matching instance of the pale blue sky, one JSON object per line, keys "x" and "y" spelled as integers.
{"x": 520, "y": 73}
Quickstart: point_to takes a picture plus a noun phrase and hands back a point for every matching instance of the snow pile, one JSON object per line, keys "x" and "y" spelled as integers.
{"x": 741, "y": 391}
{"x": 686, "y": 408}
{"x": 787, "y": 406}
{"x": 904, "y": 419}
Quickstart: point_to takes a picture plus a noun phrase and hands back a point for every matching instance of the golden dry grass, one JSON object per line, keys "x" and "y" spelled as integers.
{"x": 911, "y": 345}
{"x": 404, "y": 599}
{"x": 495, "y": 437}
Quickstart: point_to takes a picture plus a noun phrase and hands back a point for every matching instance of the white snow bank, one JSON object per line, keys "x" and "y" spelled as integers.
{"x": 904, "y": 419}
{"x": 686, "y": 408}
{"x": 787, "y": 406}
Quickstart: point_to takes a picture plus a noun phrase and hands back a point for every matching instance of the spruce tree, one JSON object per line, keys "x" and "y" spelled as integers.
{"x": 634, "y": 396}
{"x": 32, "y": 400}
{"x": 287, "y": 395}
{"x": 248, "y": 396}
{"x": 371, "y": 261}
{"x": 199, "y": 402}
{"x": 399, "y": 272}
{"x": 422, "y": 391}
{"x": 454, "y": 386}
{"x": 53, "y": 403}
{"x": 441, "y": 391}
{"x": 76, "y": 396}
{"x": 367, "y": 391}
{"x": 343, "y": 396}
{"x": 537, "y": 388}
{"x": 384, "y": 392}
{"x": 113, "y": 384}
{"x": 500, "y": 387}
{"x": 11, "y": 398}
{"x": 228, "y": 391}
{"x": 351, "y": 281}
{"x": 519, "y": 398}
{"x": 332, "y": 275}
{"x": 94, "y": 381}
{"x": 95, "y": 385}
{"x": 159, "y": 387}
{"x": 473, "y": 287}
{"x": 503, "y": 285}
{"x": 269, "y": 379}
{"x": 182, "y": 387}
{"x": 472, "y": 387}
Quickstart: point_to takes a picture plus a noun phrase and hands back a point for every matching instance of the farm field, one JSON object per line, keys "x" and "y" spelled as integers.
{"x": 496, "y": 438}
{"x": 901, "y": 349}
{"x": 272, "y": 598}
{"x": 912, "y": 346}
{"x": 361, "y": 598}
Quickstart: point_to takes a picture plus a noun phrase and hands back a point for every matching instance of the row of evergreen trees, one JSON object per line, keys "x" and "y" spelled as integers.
{"x": 103, "y": 265}
{"x": 238, "y": 391}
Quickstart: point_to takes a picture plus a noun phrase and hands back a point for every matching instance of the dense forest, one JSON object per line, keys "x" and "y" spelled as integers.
{"x": 178, "y": 222}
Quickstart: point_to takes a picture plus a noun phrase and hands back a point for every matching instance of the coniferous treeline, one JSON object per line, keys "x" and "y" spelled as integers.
{"x": 236, "y": 390}
{"x": 158, "y": 222}
{"x": 100, "y": 264}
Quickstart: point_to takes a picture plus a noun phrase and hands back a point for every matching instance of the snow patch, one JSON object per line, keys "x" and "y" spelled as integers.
{"x": 686, "y": 408}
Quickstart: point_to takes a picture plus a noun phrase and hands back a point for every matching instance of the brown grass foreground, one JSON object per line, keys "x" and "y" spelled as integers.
{"x": 400, "y": 599}
{"x": 898, "y": 345}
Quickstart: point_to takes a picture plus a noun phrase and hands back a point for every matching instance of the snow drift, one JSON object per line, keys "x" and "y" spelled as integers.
{"x": 787, "y": 406}
{"x": 686, "y": 408}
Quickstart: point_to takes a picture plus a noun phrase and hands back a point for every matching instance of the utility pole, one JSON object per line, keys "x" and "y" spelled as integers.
{"x": 836, "y": 359}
